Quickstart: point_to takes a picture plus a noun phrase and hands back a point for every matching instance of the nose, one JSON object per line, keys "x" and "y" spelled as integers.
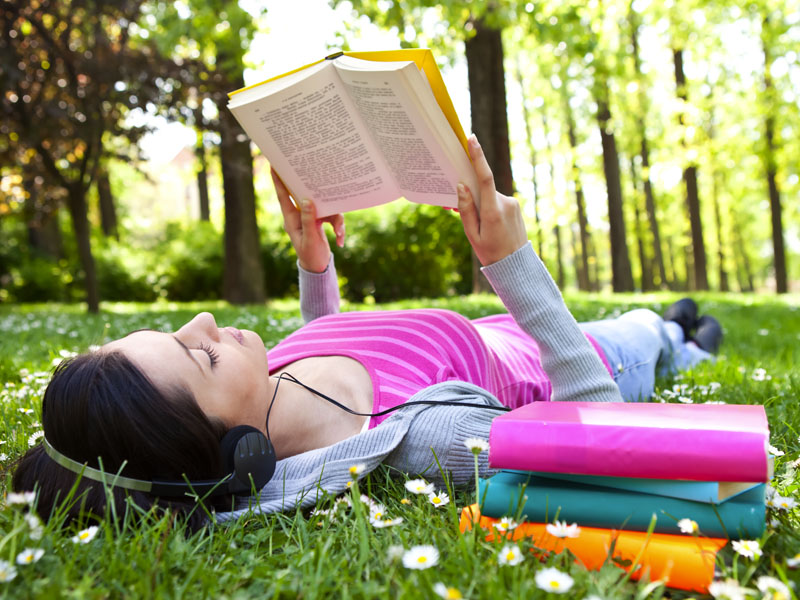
{"x": 202, "y": 324}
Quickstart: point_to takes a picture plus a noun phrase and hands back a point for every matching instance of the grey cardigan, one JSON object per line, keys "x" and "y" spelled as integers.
{"x": 409, "y": 438}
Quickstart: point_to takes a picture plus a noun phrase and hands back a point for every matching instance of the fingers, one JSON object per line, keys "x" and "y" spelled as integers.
{"x": 482, "y": 169}
{"x": 337, "y": 222}
{"x": 291, "y": 217}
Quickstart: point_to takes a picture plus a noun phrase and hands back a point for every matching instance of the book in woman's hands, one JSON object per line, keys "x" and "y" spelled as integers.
{"x": 360, "y": 129}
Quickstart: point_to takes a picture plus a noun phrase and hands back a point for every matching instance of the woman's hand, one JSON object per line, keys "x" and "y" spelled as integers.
{"x": 305, "y": 229}
{"x": 496, "y": 229}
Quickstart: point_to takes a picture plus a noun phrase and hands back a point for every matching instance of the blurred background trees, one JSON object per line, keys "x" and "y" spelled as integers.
{"x": 654, "y": 146}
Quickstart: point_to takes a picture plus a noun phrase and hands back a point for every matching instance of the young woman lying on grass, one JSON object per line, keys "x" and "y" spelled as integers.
{"x": 154, "y": 406}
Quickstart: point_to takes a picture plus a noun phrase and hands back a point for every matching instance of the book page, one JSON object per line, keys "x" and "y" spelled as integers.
{"x": 422, "y": 167}
{"x": 310, "y": 133}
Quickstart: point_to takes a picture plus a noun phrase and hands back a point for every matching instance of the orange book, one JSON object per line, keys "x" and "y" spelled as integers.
{"x": 680, "y": 561}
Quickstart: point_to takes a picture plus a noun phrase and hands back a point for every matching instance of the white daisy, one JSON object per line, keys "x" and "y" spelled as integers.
{"x": 29, "y": 555}
{"x": 35, "y": 525}
{"x": 510, "y": 555}
{"x": 34, "y": 438}
{"x": 395, "y": 552}
{"x": 420, "y": 557}
{"x": 419, "y": 486}
{"x": 779, "y": 502}
{"x": 772, "y": 587}
{"x": 728, "y": 590}
{"x": 357, "y": 470}
{"x": 476, "y": 445}
{"x": 448, "y": 593}
{"x": 20, "y": 498}
{"x": 380, "y": 523}
{"x": 747, "y": 548}
{"x": 561, "y": 529}
{"x": 774, "y": 451}
{"x": 794, "y": 561}
{"x": 85, "y": 535}
{"x": 506, "y": 524}
{"x": 7, "y": 571}
{"x": 688, "y": 526}
{"x": 553, "y": 580}
{"x": 438, "y": 499}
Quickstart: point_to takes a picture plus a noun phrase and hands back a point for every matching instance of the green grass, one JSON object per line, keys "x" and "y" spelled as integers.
{"x": 297, "y": 554}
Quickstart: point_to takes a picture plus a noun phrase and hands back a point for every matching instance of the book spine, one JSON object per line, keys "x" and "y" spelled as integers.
{"x": 617, "y": 509}
{"x": 682, "y": 562}
{"x": 647, "y": 452}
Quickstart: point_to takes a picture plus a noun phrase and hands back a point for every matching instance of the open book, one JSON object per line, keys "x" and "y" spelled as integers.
{"x": 359, "y": 129}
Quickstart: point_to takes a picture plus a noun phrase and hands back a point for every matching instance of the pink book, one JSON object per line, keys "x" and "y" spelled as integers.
{"x": 706, "y": 442}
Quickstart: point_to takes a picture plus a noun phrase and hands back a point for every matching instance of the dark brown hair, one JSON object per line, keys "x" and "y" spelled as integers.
{"x": 100, "y": 406}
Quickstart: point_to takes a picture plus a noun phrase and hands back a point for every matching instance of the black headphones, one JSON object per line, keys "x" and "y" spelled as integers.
{"x": 248, "y": 455}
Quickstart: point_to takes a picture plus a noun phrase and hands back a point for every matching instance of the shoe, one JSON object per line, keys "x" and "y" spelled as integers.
{"x": 709, "y": 334}
{"x": 684, "y": 313}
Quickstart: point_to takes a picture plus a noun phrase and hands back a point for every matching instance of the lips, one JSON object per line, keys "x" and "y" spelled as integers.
{"x": 237, "y": 335}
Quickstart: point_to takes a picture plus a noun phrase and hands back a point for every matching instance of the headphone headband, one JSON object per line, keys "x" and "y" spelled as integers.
{"x": 252, "y": 463}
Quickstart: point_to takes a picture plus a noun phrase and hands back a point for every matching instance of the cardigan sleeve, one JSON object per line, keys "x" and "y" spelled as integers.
{"x": 319, "y": 292}
{"x": 532, "y": 297}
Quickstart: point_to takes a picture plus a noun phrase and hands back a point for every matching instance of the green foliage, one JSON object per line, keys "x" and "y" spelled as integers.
{"x": 191, "y": 263}
{"x": 404, "y": 251}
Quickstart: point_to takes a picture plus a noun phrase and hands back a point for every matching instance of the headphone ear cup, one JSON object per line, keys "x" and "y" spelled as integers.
{"x": 247, "y": 453}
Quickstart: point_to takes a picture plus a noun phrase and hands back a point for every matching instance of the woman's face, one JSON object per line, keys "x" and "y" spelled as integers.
{"x": 225, "y": 369}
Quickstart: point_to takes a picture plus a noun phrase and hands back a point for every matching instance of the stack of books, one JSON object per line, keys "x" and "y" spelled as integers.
{"x": 611, "y": 468}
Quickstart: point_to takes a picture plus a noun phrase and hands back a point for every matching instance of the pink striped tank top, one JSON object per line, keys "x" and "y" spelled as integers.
{"x": 405, "y": 351}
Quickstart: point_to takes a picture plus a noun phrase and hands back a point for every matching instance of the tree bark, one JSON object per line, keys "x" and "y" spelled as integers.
{"x": 532, "y": 151}
{"x": 700, "y": 278}
{"x": 621, "y": 275}
{"x": 646, "y": 281}
{"x": 78, "y": 210}
{"x": 644, "y": 153}
{"x": 560, "y": 279}
{"x": 243, "y": 281}
{"x": 202, "y": 178}
{"x": 582, "y": 265}
{"x": 108, "y": 212}
{"x": 41, "y": 220}
{"x": 487, "y": 92}
{"x": 744, "y": 273}
{"x": 778, "y": 250}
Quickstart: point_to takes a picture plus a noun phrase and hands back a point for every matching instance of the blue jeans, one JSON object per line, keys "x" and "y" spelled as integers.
{"x": 638, "y": 345}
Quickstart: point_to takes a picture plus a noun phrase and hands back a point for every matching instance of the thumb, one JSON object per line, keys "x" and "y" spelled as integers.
{"x": 468, "y": 212}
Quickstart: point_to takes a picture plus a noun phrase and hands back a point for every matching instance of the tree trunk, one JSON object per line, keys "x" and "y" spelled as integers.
{"x": 744, "y": 273}
{"x": 202, "y": 178}
{"x": 582, "y": 265}
{"x": 532, "y": 151}
{"x": 621, "y": 275}
{"x": 243, "y": 280}
{"x": 646, "y": 280}
{"x": 560, "y": 279}
{"x": 778, "y": 251}
{"x": 487, "y": 92}
{"x": 78, "y": 210}
{"x": 108, "y": 212}
{"x": 41, "y": 220}
{"x": 723, "y": 274}
{"x": 644, "y": 153}
{"x": 700, "y": 278}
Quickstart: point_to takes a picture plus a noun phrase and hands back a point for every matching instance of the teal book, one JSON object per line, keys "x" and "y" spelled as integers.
{"x": 698, "y": 491}
{"x": 545, "y": 499}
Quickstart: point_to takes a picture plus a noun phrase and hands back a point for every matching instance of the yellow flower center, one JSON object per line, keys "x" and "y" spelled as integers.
{"x": 353, "y": 470}
{"x": 436, "y": 500}
{"x": 554, "y": 584}
{"x": 28, "y": 558}
{"x": 453, "y": 594}
{"x": 83, "y": 535}
{"x": 378, "y": 515}
{"x": 510, "y": 555}
{"x": 422, "y": 560}
{"x": 405, "y": 501}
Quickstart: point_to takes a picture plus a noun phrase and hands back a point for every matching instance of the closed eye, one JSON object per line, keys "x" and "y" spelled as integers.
{"x": 213, "y": 357}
